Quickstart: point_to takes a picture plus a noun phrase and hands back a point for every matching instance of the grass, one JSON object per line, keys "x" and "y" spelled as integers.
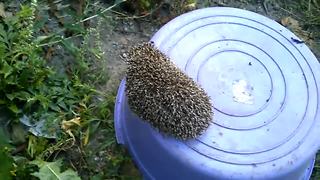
{"x": 56, "y": 120}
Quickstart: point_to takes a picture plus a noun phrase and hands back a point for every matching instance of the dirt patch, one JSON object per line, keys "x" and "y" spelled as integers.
{"x": 117, "y": 39}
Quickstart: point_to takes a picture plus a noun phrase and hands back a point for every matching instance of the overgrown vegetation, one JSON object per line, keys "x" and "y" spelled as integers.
{"x": 51, "y": 107}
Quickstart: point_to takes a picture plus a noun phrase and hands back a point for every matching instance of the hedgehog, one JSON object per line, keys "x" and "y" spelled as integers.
{"x": 161, "y": 94}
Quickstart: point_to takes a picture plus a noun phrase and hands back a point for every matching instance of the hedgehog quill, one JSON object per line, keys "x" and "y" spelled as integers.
{"x": 164, "y": 96}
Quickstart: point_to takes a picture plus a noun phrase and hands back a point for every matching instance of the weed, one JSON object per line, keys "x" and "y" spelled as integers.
{"x": 59, "y": 107}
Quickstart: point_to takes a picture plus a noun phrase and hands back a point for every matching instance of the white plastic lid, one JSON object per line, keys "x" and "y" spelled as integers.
{"x": 263, "y": 82}
{"x": 260, "y": 77}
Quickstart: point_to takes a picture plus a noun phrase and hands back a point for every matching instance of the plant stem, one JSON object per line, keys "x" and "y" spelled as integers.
{"x": 58, "y": 41}
{"x": 96, "y": 15}
{"x": 83, "y": 20}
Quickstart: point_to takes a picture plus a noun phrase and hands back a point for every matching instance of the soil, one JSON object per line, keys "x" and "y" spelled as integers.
{"x": 117, "y": 39}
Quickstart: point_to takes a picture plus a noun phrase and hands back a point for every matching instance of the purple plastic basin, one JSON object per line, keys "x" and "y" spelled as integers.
{"x": 263, "y": 82}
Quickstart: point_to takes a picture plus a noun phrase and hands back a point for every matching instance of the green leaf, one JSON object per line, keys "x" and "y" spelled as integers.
{"x": 51, "y": 171}
{"x": 6, "y": 164}
{"x": 74, "y": 50}
{"x": 43, "y": 100}
{"x": 63, "y": 105}
{"x": 4, "y": 139}
{"x": 10, "y": 96}
{"x": 75, "y": 28}
{"x": 11, "y": 80}
{"x": 41, "y": 38}
{"x": 36, "y": 145}
{"x": 2, "y": 31}
{"x": 2, "y": 50}
{"x": 22, "y": 95}
{"x": 6, "y": 69}
{"x": 2, "y": 102}
{"x": 3, "y": 35}
{"x": 14, "y": 108}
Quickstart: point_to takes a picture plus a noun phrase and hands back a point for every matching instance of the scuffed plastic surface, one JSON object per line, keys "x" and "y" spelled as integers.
{"x": 265, "y": 92}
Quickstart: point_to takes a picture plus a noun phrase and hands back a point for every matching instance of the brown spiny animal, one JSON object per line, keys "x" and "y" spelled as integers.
{"x": 161, "y": 94}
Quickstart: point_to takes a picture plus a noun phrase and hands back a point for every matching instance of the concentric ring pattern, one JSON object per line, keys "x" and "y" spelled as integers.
{"x": 261, "y": 82}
